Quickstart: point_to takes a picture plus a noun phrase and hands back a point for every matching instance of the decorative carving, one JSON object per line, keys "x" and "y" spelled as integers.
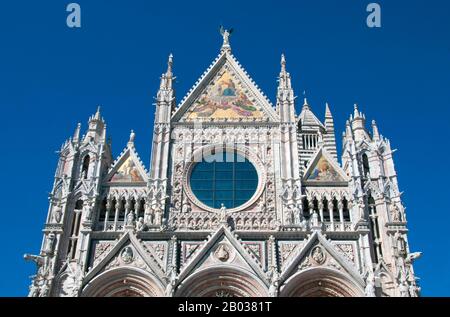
{"x": 318, "y": 255}
{"x": 346, "y": 250}
{"x": 222, "y": 252}
{"x": 127, "y": 255}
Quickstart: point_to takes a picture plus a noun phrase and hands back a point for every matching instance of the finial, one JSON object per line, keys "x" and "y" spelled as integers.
{"x": 355, "y": 112}
{"x": 76, "y": 135}
{"x": 376, "y": 134}
{"x": 169, "y": 65}
{"x": 283, "y": 63}
{"x": 226, "y": 39}
{"x": 97, "y": 116}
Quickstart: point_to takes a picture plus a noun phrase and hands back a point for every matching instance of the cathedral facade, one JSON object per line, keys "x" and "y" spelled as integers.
{"x": 242, "y": 198}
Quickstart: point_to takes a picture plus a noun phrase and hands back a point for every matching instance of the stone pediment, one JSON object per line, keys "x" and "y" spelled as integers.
{"x": 127, "y": 169}
{"x": 323, "y": 169}
{"x": 222, "y": 249}
{"x": 318, "y": 252}
{"x": 225, "y": 93}
{"x": 127, "y": 251}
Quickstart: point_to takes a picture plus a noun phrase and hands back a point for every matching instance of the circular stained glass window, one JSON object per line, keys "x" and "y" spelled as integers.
{"x": 224, "y": 178}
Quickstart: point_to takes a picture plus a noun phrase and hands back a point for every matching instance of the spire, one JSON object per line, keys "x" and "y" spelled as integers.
{"x": 329, "y": 137}
{"x": 76, "y": 134}
{"x": 327, "y": 111}
{"x": 96, "y": 127}
{"x": 167, "y": 78}
{"x": 355, "y": 111}
{"x": 305, "y": 103}
{"x": 285, "y": 77}
{"x": 169, "y": 66}
{"x": 283, "y": 64}
{"x": 285, "y": 94}
{"x": 348, "y": 129}
{"x": 226, "y": 48}
{"x": 375, "y": 133}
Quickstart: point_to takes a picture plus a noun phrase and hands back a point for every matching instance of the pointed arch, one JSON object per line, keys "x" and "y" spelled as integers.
{"x": 124, "y": 281}
{"x": 217, "y": 281}
{"x": 321, "y": 282}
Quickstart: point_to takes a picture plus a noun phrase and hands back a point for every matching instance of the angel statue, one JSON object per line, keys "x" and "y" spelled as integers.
{"x": 225, "y": 34}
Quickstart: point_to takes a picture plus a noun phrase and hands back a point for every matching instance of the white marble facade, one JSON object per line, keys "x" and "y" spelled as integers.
{"x": 314, "y": 226}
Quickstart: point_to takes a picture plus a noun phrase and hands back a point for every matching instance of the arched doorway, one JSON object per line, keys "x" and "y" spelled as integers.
{"x": 124, "y": 282}
{"x": 321, "y": 282}
{"x": 222, "y": 282}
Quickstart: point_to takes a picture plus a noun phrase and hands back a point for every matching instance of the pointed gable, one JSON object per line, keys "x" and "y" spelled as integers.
{"x": 127, "y": 169}
{"x": 318, "y": 252}
{"x": 127, "y": 251}
{"x": 223, "y": 247}
{"x": 225, "y": 93}
{"x": 324, "y": 169}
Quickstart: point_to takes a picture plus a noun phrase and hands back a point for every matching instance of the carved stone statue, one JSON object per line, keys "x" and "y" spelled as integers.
{"x": 315, "y": 220}
{"x": 226, "y": 35}
{"x": 130, "y": 218}
{"x": 57, "y": 214}
{"x": 370, "y": 285}
{"x": 140, "y": 225}
{"x": 223, "y": 214}
{"x": 172, "y": 279}
{"x": 297, "y": 215}
{"x": 274, "y": 283}
{"x": 158, "y": 217}
{"x": 50, "y": 243}
{"x": 318, "y": 255}
{"x": 396, "y": 213}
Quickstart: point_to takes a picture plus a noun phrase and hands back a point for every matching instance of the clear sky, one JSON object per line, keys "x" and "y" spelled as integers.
{"x": 52, "y": 77}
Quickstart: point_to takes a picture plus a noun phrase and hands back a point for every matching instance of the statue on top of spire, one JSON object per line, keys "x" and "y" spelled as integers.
{"x": 226, "y": 35}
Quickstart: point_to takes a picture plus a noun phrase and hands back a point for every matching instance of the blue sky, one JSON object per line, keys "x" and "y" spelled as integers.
{"x": 52, "y": 77}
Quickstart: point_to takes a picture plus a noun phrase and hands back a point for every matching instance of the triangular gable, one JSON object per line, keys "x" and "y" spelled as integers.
{"x": 225, "y": 92}
{"x": 223, "y": 236}
{"x": 127, "y": 169}
{"x": 324, "y": 169}
{"x": 138, "y": 254}
{"x": 330, "y": 256}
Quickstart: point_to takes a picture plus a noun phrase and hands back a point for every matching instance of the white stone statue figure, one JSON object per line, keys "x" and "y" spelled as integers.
{"x": 315, "y": 219}
{"x": 57, "y": 214}
{"x": 158, "y": 217}
{"x": 304, "y": 224}
{"x": 172, "y": 279}
{"x": 50, "y": 243}
{"x": 130, "y": 218}
{"x": 297, "y": 216}
{"x": 396, "y": 213}
{"x": 140, "y": 224}
{"x": 370, "y": 285}
{"x": 223, "y": 213}
{"x": 289, "y": 215}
